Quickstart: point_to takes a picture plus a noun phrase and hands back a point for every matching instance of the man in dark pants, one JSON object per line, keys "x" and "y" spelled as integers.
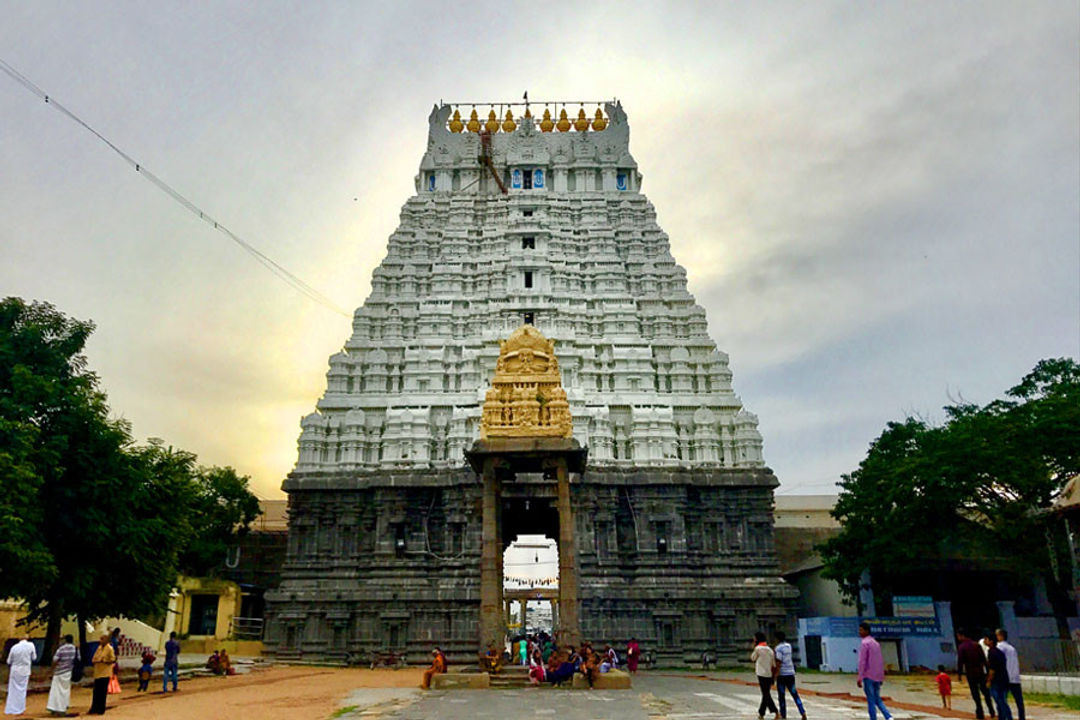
{"x": 971, "y": 664}
{"x": 1012, "y": 661}
{"x": 765, "y": 667}
{"x": 104, "y": 659}
{"x": 998, "y": 678}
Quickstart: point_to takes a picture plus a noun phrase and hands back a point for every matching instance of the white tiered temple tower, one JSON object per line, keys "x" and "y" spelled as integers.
{"x": 665, "y": 535}
{"x": 537, "y": 221}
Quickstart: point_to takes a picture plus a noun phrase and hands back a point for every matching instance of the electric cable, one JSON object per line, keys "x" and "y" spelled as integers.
{"x": 282, "y": 273}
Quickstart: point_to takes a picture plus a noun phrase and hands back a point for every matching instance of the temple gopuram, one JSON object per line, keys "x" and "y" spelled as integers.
{"x": 529, "y": 363}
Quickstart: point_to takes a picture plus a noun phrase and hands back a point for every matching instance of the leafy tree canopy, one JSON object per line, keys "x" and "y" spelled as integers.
{"x": 974, "y": 487}
{"x": 90, "y": 523}
{"x": 224, "y": 509}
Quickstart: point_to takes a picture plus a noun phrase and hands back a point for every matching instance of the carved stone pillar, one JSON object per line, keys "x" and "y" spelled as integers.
{"x": 492, "y": 622}
{"x": 569, "y": 621}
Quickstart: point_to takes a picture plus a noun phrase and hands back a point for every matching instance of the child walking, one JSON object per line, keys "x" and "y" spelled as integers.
{"x": 944, "y": 687}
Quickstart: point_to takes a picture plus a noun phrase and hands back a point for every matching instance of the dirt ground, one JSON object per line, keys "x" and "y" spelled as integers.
{"x": 276, "y": 693}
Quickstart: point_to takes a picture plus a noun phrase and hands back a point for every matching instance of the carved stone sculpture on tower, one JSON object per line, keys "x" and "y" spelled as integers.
{"x": 526, "y": 398}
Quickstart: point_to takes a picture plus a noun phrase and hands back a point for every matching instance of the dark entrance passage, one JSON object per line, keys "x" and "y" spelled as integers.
{"x": 528, "y": 516}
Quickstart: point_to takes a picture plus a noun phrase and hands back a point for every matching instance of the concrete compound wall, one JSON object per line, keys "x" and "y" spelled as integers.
{"x": 1055, "y": 684}
{"x": 840, "y": 653}
{"x": 1038, "y": 642}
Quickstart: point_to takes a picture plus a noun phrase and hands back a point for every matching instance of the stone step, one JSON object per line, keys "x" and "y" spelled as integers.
{"x": 511, "y": 676}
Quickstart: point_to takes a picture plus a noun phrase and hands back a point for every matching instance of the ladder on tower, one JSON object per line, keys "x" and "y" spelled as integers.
{"x": 485, "y": 158}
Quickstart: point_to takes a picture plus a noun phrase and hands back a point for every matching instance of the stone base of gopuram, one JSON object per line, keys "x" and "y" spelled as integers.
{"x": 682, "y": 560}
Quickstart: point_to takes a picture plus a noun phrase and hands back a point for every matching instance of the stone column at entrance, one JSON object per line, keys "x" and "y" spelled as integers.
{"x": 524, "y": 605}
{"x": 492, "y": 620}
{"x": 569, "y": 624}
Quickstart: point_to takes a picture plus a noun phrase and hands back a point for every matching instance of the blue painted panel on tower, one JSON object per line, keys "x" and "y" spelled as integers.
{"x": 515, "y": 181}
{"x": 538, "y": 178}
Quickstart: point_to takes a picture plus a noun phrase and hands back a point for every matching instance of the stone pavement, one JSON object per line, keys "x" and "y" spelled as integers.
{"x": 655, "y": 696}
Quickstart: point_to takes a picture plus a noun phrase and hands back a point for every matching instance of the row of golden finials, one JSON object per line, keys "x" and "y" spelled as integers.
{"x": 546, "y": 124}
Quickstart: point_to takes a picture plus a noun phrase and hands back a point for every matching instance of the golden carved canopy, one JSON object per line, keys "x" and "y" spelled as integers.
{"x": 526, "y": 398}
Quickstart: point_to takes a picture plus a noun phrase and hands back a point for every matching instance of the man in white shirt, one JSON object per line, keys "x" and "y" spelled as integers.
{"x": 21, "y": 656}
{"x": 1012, "y": 665}
{"x": 764, "y": 666}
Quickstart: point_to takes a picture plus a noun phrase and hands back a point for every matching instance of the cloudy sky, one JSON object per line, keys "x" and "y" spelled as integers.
{"x": 878, "y": 203}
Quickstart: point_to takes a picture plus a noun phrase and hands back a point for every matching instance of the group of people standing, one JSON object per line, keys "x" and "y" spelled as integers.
{"x": 67, "y": 667}
{"x": 991, "y": 667}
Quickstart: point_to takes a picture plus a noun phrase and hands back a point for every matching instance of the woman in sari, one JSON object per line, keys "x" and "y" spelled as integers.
{"x": 633, "y": 654}
{"x": 564, "y": 669}
{"x": 537, "y": 674}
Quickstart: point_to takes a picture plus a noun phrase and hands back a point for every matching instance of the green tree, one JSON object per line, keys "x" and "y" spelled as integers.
{"x": 976, "y": 487}
{"x": 43, "y": 377}
{"x": 91, "y": 524}
{"x": 223, "y": 511}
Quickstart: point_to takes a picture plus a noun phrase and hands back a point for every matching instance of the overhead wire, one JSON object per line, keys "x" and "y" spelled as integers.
{"x": 281, "y": 272}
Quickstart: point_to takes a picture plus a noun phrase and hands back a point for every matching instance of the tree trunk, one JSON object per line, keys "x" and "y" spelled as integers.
{"x": 52, "y": 633}
{"x": 83, "y": 654}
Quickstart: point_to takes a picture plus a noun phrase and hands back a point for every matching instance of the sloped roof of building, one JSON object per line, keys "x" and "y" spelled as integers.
{"x": 1069, "y": 500}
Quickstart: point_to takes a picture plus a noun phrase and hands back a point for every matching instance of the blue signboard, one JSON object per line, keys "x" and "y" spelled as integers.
{"x": 904, "y": 625}
{"x": 882, "y": 626}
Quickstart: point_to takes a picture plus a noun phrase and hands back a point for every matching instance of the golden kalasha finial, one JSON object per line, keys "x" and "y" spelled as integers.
{"x": 528, "y": 113}
{"x": 546, "y": 124}
{"x": 456, "y": 125}
{"x": 526, "y": 398}
{"x": 474, "y": 122}
{"x": 564, "y": 122}
{"x": 599, "y": 123}
{"x": 508, "y": 124}
{"x": 492, "y": 123}
{"x": 582, "y": 122}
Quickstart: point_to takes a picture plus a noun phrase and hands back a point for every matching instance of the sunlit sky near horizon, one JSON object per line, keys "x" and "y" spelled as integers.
{"x": 878, "y": 205}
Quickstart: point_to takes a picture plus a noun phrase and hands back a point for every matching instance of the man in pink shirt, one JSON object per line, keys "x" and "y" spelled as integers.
{"x": 871, "y": 672}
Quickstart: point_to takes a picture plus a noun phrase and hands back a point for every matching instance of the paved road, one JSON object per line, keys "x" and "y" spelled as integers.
{"x": 652, "y": 698}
